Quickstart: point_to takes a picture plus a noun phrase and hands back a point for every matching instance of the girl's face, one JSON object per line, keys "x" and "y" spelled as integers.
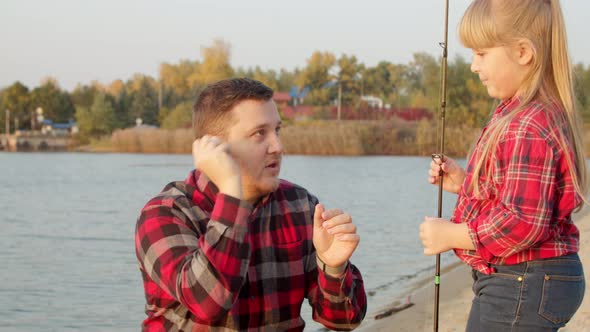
{"x": 501, "y": 69}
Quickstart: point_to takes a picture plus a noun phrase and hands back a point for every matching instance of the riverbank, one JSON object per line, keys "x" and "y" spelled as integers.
{"x": 456, "y": 296}
{"x": 317, "y": 137}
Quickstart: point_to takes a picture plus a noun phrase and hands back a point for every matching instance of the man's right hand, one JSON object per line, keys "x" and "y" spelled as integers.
{"x": 211, "y": 156}
{"x": 453, "y": 174}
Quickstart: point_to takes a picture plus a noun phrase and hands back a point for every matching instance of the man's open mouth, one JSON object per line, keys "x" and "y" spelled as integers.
{"x": 273, "y": 165}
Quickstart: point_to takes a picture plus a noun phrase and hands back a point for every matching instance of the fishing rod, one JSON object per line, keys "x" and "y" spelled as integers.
{"x": 440, "y": 156}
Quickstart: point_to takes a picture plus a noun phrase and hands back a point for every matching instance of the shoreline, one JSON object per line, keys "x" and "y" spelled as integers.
{"x": 415, "y": 311}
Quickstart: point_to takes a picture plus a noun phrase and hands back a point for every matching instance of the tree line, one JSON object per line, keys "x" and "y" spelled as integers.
{"x": 166, "y": 101}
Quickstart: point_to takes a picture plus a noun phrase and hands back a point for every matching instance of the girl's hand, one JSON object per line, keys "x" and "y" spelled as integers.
{"x": 453, "y": 175}
{"x": 440, "y": 235}
{"x": 433, "y": 235}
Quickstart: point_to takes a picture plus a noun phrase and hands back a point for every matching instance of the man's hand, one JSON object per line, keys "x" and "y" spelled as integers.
{"x": 211, "y": 156}
{"x": 453, "y": 174}
{"x": 334, "y": 236}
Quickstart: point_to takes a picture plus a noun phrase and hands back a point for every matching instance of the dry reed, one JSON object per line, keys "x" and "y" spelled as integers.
{"x": 319, "y": 137}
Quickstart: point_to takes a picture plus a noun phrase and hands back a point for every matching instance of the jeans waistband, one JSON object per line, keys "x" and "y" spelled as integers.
{"x": 524, "y": 266}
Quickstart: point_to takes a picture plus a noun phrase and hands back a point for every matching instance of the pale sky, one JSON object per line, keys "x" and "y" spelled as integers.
{"x": 77, "y": 41}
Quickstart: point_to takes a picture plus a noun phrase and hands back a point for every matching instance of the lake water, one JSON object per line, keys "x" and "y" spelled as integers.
{"x": 67, "y": 223}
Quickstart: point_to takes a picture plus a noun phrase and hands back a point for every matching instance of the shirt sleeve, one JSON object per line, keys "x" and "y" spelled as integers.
{"x": 520, "y": 217}
{"x": 338, "y": 303}
{"x": 204, "y": 273}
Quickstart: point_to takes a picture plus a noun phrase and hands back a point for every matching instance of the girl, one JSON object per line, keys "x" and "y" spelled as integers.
{"x": 527, "y": 173}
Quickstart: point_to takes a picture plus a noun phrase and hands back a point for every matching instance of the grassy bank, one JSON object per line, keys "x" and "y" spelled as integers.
{"x": 351, "y": 138}
{"x": 348, "y": 138}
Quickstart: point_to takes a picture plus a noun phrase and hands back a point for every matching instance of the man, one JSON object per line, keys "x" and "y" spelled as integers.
{"x": 233, "y": 248}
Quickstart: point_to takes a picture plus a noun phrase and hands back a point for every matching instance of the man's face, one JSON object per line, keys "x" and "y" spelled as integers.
{"x": 255, "y": 144}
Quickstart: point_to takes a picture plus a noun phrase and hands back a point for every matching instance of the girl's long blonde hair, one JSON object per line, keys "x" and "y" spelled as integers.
{"x": 490, "y": 23}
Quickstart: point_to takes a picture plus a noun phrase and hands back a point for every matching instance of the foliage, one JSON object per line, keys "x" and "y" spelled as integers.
{"x": 166, "y": 101}
{"x": 56, "y": 103}
{"x": 179, "y": 117}
{"x": 143, "y": 101}
{"x": 98, "y": 119}
{"x": 16, "y": 100}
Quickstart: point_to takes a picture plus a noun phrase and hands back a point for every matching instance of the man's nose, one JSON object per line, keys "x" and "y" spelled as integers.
{"x": 275, "y": 146}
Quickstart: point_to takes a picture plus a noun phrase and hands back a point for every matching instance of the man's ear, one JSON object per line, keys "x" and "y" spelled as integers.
{"x": 525, "y": 52}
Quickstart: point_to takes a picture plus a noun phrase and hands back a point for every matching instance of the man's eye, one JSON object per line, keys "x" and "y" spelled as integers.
{"x": 259, "y": 133}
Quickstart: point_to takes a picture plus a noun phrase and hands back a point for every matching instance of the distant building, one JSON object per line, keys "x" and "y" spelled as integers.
{"x": 48, "y": 127}
{"x": 282, "y": 99}
{"x": 372, "y": 101}
{"x": 297, "y": 112}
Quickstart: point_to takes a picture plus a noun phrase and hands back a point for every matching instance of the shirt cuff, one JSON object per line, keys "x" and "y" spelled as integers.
{"x": 485, "y": 254}
{"x": 336, "y": 286}
{"x": 332, "y": 271}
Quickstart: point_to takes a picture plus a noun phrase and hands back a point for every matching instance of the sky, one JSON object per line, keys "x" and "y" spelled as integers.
{"x": 80, "y": 41}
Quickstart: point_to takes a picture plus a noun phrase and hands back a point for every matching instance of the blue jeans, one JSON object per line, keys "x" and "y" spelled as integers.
{"x": 540, "y": 295}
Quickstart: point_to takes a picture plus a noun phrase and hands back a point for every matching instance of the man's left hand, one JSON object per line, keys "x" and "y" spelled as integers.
{"x": 334, "y": 236}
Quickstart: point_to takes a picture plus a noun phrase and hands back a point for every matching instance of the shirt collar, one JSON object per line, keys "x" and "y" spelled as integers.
{"x": 197, "y": 179}
{"x": 506, "y": 106}
{"x": 203, "y": 184}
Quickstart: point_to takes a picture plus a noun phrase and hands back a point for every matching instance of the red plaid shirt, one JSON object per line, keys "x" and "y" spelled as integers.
{"x": 525, "y": 213}
{"x": 211, "y": 262}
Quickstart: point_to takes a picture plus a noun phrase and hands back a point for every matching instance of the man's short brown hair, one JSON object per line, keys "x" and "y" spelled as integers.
{"x": 211, "y": 112}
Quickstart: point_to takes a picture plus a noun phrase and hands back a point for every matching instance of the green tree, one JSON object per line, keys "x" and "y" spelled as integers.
{"x": 377, "y": 80}
{"x": 56, "y": 103}
{"x": 468, "y": 103}
{"x": 97, "y": 120}
{"x": 316, "y": 75}
{"x": 350, "y": 78}
{"x": 177, "y": 83}
{"x": 286, "y": 79}
{"x": 121, "y": 104}
{"x": 143, "y": 101}
{"x": 179, "y": 117}
{"x": 268, "y": 77}
{"x": 582, "y": 90}
{"x": 16, "y": 99}
{"x": 424, "y": 78}
{"x": 83, "y": 95}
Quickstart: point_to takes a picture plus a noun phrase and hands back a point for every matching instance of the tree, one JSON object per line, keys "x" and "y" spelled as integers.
{"x": 316, "y": 75}
{"x": 215, "y": 66}
{"x": 83, "y": 95}
{"x": 179, "y": 117}
{"x": 97, "y": 120}
{"x": 16, "y": 99}
{"x": 56, "y": 103}
{"x": 424, "y": 78}
{"x": 377, "y": 80}
{"x": 286, "y": 79}
{"x": 350, "y": 78}
{"x": 177, "y": 86}
{"x": 144, "y": 100}
{"x": 582, "y": 90}
{"x": 468, "y": 102}
{"x": 268, "y": 77}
